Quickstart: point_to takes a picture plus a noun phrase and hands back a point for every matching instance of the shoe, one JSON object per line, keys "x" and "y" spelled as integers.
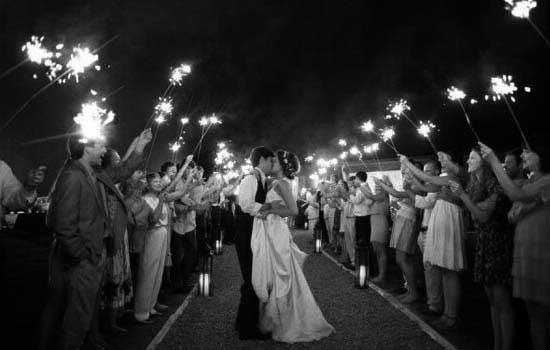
{"x": 255, "y": 336}
{"x": 431, "y": 312}
{"x": 146, "y": 321}
{"x": 160, "y": 307}
{"x": 399, "y": 291}
{"x": 155, "y": 313}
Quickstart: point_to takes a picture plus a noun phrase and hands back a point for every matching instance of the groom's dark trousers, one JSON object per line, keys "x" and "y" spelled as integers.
{"x": 248, "y": 314}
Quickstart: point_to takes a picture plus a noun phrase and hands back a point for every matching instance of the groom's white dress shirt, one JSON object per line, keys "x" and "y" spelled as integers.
{"x": 247, "y": 193}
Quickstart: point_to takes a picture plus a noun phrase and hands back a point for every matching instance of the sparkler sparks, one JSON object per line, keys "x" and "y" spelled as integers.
{"x": 425, "y": 129}
{"x": 163, "y": 108}
{"x": 387, "y": 134}
{"x": 81, "y": 58}
{"x": 502, "y": 86}
{"x": 91, "y": 119}
{"x": 455, "y": 94}
{"x": 367, "y": 126}
{"x": 520, "y": 9}
{"x": 354, "y": 151}
{"x": 178, "y": 73}
{"x": 174, "y": 147}
{"x": 36, "y": 53}
{"x": 399, "y": 108}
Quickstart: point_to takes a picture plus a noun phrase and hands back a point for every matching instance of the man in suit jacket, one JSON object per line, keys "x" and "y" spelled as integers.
{"x": 78, "y": 219}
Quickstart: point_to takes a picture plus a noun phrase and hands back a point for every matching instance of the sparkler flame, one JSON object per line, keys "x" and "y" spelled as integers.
{"x": 91, "y": 119}
{"x": 163, "y": 109}
{"x": 354, "y": 151}
{"x": 81, "y": 58}
{"x": 367, "y": 126}
{"x": 425, "y": 128}
{"x": 521, "y": 8}
{"x": 387, "y": 134}
{"x": 502, "y": 86}
{"x": 455, "y": 94}
{"x": 178, "y": 73}
{"x": 399, "y": 107}
{"x": 174, "y": 147}
{"x": 35, "y": 51}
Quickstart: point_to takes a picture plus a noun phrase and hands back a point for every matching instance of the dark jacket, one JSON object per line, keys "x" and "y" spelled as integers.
{"x": 77, "y": 216}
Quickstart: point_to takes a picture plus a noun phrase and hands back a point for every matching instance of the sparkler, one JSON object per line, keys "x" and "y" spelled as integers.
{"x": 367, "y": 126}
{"x": 521, "y": 9}
{"x": 178, "y": 73}
{"x": 206, "y": 122}
{"x": 387, "y": 135}
{"x": 425, "y": 130}
{"x": 91, "y": 119}
{"x": 81, "y": 59}
{"x": 457, "y": 95}
{"x": 399, "y": 109}
{"x": 502, "y": 86}
{"x": 36, "y": 94}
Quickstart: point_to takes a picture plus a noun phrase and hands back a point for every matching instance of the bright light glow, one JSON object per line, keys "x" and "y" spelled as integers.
{"x": 91, "y": 119}
{"x": 343, "y": 155}
{"x": 425, "y": 128}
{"x": 387, "y": 134}
{"x": 178, "y": 73}
{"x": 174, "y": 147}
{"x": 367, "y": 126}
{"x": 520, "y": 9}
{"x": 35, "y": 51}
{"x": 503, "y": 85}
{"x": 81, "y": 58}
{"x": 399, "y": 107}
{"x": 455, "y": 94}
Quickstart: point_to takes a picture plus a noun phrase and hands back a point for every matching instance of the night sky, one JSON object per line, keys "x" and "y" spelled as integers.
{"x": 296, "y": 75}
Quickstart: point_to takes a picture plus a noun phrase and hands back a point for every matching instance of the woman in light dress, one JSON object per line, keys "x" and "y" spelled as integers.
{"x": 287, "y": 307}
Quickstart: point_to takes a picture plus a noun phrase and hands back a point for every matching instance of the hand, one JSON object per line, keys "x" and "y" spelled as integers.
{"x": 487, "y": 152}
{"x": 143, "y": 139}
{"x": 456, "y": 188}
{"x": 35, "y": 177}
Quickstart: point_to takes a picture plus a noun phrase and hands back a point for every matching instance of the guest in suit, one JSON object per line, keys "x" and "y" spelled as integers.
{"x": 78, "y": 220}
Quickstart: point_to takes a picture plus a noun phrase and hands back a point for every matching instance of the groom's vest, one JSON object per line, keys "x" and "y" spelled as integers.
{"x": 244, "y": 220}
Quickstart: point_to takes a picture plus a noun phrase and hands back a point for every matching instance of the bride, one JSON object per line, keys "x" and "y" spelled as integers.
{"x": 287, "y": 308}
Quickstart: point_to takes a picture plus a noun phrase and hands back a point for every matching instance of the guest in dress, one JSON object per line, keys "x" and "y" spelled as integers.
{"x": 404, "y": 233}
{"x": 488, "y": 207}
{"x": 445, "y": 245}
{"x": 155, "y": 251}
{"x": 531, "y": 257}
{"x": 117, "y": 289}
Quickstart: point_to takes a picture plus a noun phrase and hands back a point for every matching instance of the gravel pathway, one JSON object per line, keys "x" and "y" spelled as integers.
{"x": 362, "y": 318}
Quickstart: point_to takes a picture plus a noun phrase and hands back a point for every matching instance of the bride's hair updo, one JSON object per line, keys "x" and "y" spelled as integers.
{"x": 290, "y": 164}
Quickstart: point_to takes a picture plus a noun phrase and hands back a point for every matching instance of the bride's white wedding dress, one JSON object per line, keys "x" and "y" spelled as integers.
{"x": 287, "y": 307}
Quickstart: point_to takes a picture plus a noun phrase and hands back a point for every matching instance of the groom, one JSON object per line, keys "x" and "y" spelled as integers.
{"x": 252, "y": 195}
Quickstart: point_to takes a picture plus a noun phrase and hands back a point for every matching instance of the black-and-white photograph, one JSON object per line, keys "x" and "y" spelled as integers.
{"x": 256, "y": 174}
